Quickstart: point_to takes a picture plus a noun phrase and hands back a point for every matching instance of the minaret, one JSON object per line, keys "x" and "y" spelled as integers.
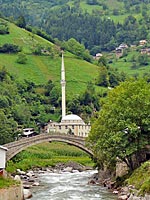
{"x": 63, "y": 84}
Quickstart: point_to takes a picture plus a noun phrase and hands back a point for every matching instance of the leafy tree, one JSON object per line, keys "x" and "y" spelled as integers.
{"x": 3, "y": 74}
{"x": 74, "y": 105}
{"x": 55, "y": 96}
{"x": 92, "y": 2}
{"x": 78, "y": 49}
{"x": 102, "y": 61}
{"x": 21, "y": 22}
{"x": 143, "y": 59}
{"x": 115, "y": 12}
{"x": 9, "y": 48}
{"x": 123, "y": 126}
{"x": 49, "y": 86}
{"x": 87, "y": 96}
{"x": 115, "y": 77}
{"x": 103, "y": 78}
{"x": 4, "y": 29}
{"x": 22, "y": 114}
{"x": 4, "y": 103}
{"x": 8, "y": 128}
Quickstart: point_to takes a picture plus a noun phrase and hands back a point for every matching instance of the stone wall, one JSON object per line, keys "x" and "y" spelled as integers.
{"x": 12, "y": 193}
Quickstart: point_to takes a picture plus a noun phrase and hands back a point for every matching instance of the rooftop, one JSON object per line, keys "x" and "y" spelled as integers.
{"x": 72, "y": 118}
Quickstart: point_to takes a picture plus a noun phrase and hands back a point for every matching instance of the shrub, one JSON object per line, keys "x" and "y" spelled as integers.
{"x": 9, "y": 48}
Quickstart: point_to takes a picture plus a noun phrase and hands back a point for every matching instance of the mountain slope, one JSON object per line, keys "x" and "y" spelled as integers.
{"x": 101, "y": 25}
{"x": 41, "y": 68}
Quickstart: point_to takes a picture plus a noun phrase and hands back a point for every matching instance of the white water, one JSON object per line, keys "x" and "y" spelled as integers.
{"x": 69, "y": 186}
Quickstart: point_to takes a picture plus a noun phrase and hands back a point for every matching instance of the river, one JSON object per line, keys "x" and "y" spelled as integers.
{"x": 69, "y": 186}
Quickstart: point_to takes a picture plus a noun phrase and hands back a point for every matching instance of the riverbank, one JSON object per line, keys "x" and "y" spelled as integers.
{"x": 135, "y": 186}
{"x": 44, "y": 157}
{"x": 65, "y": 182}
{"x": 10, "y": 189}
{"x": 31, "y": 180}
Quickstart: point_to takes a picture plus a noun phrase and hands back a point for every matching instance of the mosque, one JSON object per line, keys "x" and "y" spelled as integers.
{"x": 70, "y": 124}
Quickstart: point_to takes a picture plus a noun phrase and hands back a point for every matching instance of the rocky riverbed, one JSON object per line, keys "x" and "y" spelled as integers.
{"x": 31, "y": 180}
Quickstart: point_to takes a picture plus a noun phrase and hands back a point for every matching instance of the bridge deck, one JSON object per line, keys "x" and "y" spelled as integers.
{"x": 17, "y": 146}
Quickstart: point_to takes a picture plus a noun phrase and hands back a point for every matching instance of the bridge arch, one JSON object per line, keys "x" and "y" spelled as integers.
{"x": 16, "y": 147}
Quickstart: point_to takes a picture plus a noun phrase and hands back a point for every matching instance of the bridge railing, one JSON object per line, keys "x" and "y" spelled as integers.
{"x": 42, "y": 136}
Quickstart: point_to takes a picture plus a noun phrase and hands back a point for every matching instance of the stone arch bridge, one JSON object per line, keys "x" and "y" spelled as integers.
{"x": 15, "y": 147}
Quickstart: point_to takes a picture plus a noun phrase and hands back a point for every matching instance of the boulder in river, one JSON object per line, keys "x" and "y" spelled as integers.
{"x": 27, "y": 193}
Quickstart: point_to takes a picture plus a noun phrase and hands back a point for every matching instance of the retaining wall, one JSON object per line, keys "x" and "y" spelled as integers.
{"x": 12, "y": 193}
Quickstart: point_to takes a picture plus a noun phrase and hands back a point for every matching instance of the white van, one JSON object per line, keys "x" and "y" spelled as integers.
{"x": 28, "y": 132}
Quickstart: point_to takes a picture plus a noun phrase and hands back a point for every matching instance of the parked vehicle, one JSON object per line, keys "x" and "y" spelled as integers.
{"x": 28, "y": 132}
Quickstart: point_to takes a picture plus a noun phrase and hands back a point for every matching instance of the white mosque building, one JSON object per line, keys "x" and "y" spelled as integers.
{"x": 70, "y": 124}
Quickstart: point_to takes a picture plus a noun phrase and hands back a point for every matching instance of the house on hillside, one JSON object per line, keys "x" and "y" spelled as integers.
{"x": 119, "y": 52}
{"x": 123, "y": 46}
{"x": 145, "y": 51}
{"x": 98, "y": 56}
{"x": 142, "y": 42}
{"x": 120, "y": 49}
{"x": 2, "y": 159}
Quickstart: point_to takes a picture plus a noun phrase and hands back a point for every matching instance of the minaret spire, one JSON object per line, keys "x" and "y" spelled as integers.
{"x": 63, "y": 84}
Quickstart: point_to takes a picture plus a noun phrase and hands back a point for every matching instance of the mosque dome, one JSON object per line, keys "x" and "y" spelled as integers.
{"x": 72, "y": 119}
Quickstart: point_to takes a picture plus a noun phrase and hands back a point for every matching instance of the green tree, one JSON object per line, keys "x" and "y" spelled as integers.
{"x": 74, "y": 105}
{"x": 102, "y": 61}
{"x": 123, "y": 126}
{"x": 4, "y": 29}
{"x": 74, "y": 46}
{"x": 103, "y": 78}
{"x": 21, "y": 22}
{"x": 9, "y": 48}
{"x": 143, "y": 59}
{"x": 22, "y": 114}
{"x": 48, "y": 87}
{"x": 55, "y": 96}
{"x": 7, "y": 128}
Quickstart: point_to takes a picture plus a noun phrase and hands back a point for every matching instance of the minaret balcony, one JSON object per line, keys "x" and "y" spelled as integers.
{"x": 63, "y": 82}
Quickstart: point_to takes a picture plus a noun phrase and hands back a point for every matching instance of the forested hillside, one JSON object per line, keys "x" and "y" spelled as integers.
{"x": 99, "y": 25}
{"x": 30, "y": 93}
{"x": 30, "y": 64}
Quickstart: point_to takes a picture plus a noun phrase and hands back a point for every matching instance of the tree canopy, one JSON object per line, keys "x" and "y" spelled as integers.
{"x": 88, "y": 22}
{"x": 123, "y": 126}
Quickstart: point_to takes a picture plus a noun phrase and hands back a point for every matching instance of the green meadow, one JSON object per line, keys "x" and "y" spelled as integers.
{"x": 48, "y": 154}
{"x": 6, "y": 182}
{"x": 40, "y": 69}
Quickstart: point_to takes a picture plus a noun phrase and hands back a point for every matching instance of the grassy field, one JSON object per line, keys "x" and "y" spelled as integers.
{"x": 140, "y": 178}
{"x": 48, "y": 154}
{"x": 125, "y": 64}
{"x": 111, "y": 6}
{"x": 40, "y": 69}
